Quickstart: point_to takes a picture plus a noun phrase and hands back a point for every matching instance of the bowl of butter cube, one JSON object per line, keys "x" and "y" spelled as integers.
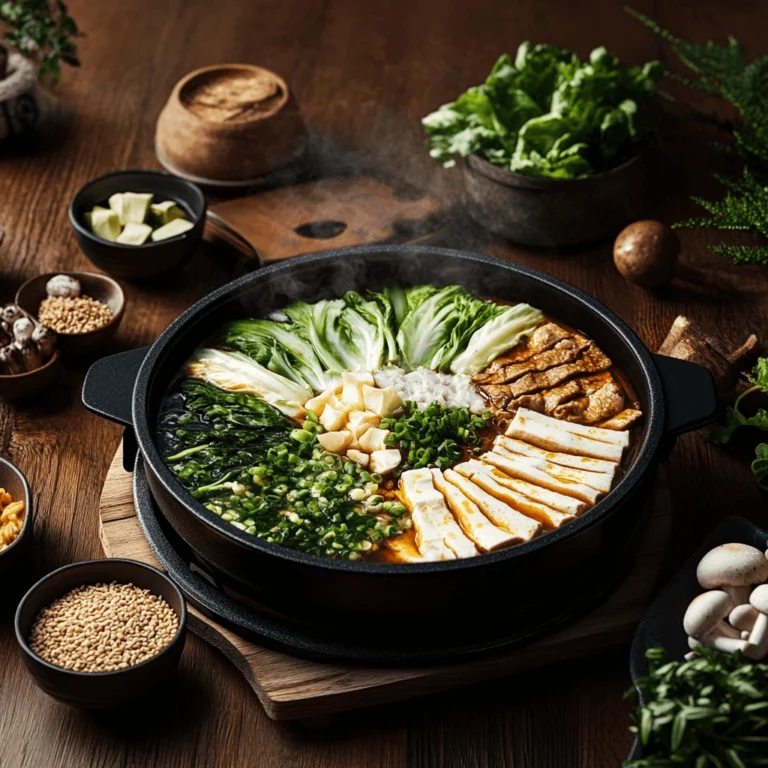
{"x": 138, "y": 224}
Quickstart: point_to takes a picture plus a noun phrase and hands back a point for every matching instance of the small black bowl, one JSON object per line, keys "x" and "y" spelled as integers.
{"x": 132, "y": 262}
{"x": 99, "y": 690}
{"x": 16, "y": 484}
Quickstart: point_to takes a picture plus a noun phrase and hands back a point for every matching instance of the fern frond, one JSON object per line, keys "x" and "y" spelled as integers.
{"x": 722, "y": 71}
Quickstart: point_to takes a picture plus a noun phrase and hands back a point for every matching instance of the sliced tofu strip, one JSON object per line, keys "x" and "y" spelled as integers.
{"x": 474, "y": 523}
{"x": 593, "y": 433}
{"x": 436, "y": 528}
{"x": 600, "y": 481}
{"x": 546, "y": 515}
{"x": 553, "y": 439}
{"x": 401, "y": 549}
{"x": 563, "y": 459}
{"x": 557, "y": 501}
{"x": 521, "y": 527}
{"x": 537, "y": 476}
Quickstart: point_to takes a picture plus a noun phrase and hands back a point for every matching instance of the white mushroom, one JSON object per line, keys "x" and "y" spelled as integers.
{"x": 734, "y": 568}
{"x": 704, "y": 621}
{"x": 758, "y": 638}
{"x": 63, "y": 285}
{"x": 743, "y": 617}
{"x": 23, "y": 329}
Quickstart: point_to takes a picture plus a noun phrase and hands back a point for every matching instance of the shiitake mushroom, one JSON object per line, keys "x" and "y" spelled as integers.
{"x": 645, "y": 253}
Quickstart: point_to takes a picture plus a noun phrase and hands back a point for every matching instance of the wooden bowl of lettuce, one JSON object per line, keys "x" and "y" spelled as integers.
{"x": 553, "y": 147}
{"x": 138, "y": 224}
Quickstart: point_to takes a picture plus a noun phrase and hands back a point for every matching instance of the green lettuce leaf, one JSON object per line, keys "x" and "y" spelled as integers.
{"x": 760, "y": 465}
{"x": 281, "y": 348}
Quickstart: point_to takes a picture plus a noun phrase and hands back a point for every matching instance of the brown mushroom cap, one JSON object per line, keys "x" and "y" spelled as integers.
{"x": 645, "y": 253}
{"x": 732, "y": 565}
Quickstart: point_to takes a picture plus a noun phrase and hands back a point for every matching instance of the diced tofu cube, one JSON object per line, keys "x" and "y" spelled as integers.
{"x": 373, "y": 439}
{"x": 364, "y": 417}
{"x": 335, "y": 442}
{"x": 358, "y": 430}
{"x": 332, "y": 419}
{"x": 383, "y": 462}
{"x": 358, "y": 457}
{"x": 383, "y": 402}
{"x": 352, "y": 390}
{"x": 318, "y": 402}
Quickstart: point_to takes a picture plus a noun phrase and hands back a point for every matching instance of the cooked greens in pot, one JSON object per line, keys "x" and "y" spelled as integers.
{"x": 402, "y": 425}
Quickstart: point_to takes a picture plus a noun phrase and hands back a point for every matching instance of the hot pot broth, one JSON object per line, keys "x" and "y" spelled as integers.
{"x": 400, "y": 426}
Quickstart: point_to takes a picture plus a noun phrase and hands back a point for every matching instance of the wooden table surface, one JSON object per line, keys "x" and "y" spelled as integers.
{"x": 363, "y": 73}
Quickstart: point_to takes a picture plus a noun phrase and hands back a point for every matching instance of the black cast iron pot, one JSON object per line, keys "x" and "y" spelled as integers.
{"x": 532, "y": 585}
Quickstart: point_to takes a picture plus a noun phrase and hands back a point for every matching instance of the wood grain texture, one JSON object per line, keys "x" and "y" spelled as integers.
{"x": 367, "y": 210}
{"x": 292, "y": 689}
{"x": 363, "y": 75}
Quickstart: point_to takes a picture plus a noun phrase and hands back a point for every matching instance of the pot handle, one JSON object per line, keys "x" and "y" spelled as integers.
{"x": 689, "y": 394}
{"x": 108, "y": 392}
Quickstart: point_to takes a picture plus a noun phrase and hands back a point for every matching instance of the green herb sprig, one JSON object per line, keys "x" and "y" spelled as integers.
{"x": 433, "y": 437}
{"x": 711, "y": 712}
{"x": 41, "y": 30}
{"x": 734, "y": 419}
{"x": 723, "y": 72}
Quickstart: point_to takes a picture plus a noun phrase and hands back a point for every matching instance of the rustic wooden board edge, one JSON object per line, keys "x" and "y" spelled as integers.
{"x": 291, "y": 688}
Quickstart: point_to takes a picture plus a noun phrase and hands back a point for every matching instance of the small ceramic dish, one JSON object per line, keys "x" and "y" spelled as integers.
{"x": 24, "y": 385}
{"x": 545, "y": 212}
{"x": 132, "y": 262}
{"x": 16, "y": 484}
{"x": 662, "y": 624}
{"x": 99, "y": 287}
{"x": 99, "y": 690}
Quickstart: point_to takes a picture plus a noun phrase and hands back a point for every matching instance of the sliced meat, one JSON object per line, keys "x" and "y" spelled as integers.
{"x": 592, "y": 360}
{"x": 544, "y": 337}
{"x": 559, "y": 395}
{"x": 622, "y": 420}
{"x": 565, "y": 351}
{"x": 605, "y": 402}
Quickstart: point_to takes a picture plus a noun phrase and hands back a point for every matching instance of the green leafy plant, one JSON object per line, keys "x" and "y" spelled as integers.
{"x": 547, "y": 113}
{"x": 41, "y": 30}
{"x": 723, "y": 72}
{"x": 711, "y": 712}
{"x": 734, "y": 419}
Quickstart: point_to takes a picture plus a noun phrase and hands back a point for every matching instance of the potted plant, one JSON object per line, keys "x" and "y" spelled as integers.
{"x": 36, "y": 37}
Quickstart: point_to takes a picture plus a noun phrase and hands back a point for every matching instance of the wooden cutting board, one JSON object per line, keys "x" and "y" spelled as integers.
{"x": 296, "y": 689}
{"x": 320, "y": 215}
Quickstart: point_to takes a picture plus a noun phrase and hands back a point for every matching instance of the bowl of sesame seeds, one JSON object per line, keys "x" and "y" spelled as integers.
{"x": 101, "y": 633}
{"x": 83, "y": 308}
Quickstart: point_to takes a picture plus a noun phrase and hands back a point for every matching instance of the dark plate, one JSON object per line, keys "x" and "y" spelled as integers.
{"x": 662, "y": 624}
{"x": 362, "y": 643}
